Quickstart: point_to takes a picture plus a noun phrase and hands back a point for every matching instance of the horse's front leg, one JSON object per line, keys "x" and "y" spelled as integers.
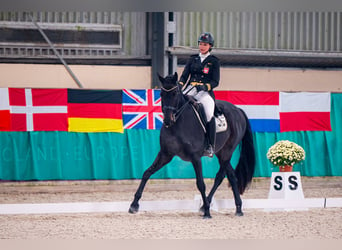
{"x": 201, "y": 186}
{"x": 160, "y": 161}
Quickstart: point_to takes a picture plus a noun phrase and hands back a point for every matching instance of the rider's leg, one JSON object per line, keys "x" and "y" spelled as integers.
{"x": 211, "y": 134}
{"x": 208, "y": 103}
{"x": 209, "y": 106}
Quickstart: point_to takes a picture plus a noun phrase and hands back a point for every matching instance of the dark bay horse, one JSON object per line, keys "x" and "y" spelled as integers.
{"x": 182, "y": 135}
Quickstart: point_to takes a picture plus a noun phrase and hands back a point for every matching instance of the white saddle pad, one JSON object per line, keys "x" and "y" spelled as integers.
{"x": 221, "y": 123}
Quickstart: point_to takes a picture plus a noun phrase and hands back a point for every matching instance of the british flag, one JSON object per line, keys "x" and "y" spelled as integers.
{"x": 142, "y": 109}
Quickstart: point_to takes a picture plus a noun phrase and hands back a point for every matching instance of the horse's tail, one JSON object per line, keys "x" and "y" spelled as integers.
{"x": 245, "y": 169}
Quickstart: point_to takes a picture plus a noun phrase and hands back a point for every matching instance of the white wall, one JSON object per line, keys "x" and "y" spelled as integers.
{"x": 139, "y": 77}
{"x": 56, "y": 76}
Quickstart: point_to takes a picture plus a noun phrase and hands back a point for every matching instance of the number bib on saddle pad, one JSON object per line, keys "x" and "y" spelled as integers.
{"x": 221, "y": 123}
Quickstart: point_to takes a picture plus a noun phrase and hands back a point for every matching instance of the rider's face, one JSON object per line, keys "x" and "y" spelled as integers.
{"x": 204, "y": 47}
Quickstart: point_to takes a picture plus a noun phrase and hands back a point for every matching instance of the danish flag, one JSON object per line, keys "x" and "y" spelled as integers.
{"x": 142, "y": 109}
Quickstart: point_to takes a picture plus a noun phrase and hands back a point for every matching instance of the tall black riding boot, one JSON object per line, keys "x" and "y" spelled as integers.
{"x": 211, "y": 136}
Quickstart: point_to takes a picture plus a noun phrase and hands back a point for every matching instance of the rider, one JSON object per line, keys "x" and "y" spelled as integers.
{"x": 204, "y": 72}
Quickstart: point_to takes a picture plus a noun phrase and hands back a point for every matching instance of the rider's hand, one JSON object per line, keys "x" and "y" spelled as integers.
{"x": 201, "y": 87}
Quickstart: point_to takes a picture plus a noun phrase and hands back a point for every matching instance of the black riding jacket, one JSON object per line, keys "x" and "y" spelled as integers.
{"x": 207, "y": 72}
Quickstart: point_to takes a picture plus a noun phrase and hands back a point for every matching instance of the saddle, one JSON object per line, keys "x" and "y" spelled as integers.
{"x": 220, "y": 119}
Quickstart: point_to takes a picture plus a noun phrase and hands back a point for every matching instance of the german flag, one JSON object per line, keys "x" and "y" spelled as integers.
{"x": 95, "y": 110}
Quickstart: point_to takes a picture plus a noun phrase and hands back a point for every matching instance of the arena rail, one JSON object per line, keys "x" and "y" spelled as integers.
{"x": 267, "y": 205}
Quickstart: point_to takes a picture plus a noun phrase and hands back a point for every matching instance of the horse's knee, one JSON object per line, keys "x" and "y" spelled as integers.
{"x": 147, "y": 174}
{"x": 150, "y": 171}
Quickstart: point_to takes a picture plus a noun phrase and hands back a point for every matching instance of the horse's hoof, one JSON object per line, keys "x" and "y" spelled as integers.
{"x": 238, "y": 211}
{"x": 133, "y": 209}
{"x": 239, "y": 214}
{"x": 207, "y": 217}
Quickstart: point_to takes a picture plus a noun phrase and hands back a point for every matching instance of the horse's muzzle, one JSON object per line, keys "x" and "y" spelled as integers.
{"x": 169, "y": 120}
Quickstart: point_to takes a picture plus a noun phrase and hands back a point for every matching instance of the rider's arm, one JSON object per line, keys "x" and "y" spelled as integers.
{"x": 215, "y": 79}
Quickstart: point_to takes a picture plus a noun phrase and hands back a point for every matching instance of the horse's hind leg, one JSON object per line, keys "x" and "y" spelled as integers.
{"x": 233, "y": 182}
{"x": 158, "y": 163}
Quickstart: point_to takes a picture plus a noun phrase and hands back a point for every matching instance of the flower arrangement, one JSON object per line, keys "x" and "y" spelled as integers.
{"x": 285, "y": 153}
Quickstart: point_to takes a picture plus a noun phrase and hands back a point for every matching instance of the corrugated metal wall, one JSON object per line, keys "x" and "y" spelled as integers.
{"x": 133, "y": 24}
{"x": 305, "y": 31}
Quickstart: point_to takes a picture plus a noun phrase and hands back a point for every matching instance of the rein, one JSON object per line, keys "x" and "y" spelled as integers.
{"x": 180, "y": 110}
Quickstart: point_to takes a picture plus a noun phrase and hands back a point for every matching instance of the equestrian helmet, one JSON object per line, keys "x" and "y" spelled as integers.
{"x": 206, "y": 37}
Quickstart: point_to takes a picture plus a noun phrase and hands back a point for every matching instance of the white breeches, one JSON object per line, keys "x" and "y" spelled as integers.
{"x": 204, "y": 98}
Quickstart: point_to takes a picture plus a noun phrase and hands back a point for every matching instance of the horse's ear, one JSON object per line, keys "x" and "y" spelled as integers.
{"x": 161, "y": 79}
{"x": 175, "y": 77}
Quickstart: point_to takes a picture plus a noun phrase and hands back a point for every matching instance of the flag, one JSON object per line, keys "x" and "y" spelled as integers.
{"x": 261, "y": 108}
{"x": 95, "y": 110}
{"x": 142, "y": 109}
{"x": 305, "y": 111}
{"x": 282, "y": 112}
{"x": 5, "y": 118}
{"x": 38, "y": 109}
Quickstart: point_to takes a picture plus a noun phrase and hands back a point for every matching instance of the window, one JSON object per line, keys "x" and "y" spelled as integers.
{"x": 71, "y": 39}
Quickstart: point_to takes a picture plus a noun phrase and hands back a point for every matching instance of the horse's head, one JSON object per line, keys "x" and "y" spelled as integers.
{"x": 170, "y": 97}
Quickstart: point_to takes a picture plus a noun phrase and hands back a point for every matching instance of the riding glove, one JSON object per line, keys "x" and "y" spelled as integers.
{"x": 201, "y": 87}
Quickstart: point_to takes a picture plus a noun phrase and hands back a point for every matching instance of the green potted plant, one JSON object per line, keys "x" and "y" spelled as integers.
{"x": 285, "y": 154}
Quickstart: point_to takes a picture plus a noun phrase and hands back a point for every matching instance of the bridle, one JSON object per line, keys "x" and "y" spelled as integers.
{"x": 169, "y": 90}
{"x": 176, "y": 112}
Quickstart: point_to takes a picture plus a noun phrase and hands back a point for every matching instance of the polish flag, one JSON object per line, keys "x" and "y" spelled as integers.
{"x": 281, "y": 111}
{"x": 305, "y": 111}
